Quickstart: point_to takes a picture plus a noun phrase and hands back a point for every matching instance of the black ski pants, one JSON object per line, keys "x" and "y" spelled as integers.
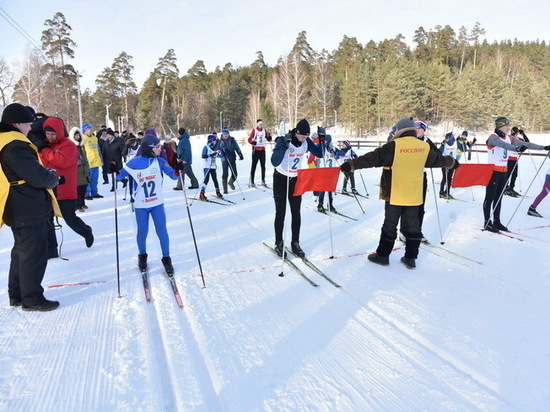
{"x": 29, "y": 258}
{"x": 295, "y": 202}
{"x": 410, "y": 227}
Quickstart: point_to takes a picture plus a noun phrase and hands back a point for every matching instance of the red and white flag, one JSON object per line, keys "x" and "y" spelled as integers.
{"x": 321, "y": 179}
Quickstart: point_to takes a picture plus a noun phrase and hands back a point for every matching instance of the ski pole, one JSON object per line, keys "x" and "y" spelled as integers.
{"x": 437, "y": 208}
{"x": 503, "y": 190}
{"x": 192, "y": 230}
{"x": 287, "y": 204}
{"x": 364, "y": 185}
{"x": 234, "y": 173}
{"x": 207, "y": 171}
{"x": 116, "y": 236}
{"x": 329, "y": 195}
{"x": 529, "y": 187}
{"x": 354, "y": 195}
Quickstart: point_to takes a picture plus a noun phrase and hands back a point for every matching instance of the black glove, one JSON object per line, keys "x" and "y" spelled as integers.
{"x": 455, "y": 165}
{"x": 345, "y": 167}
{"x": 521, "y": 149}
{"x": 474, "y": 141}
{"x": 179, "y": 166}
{"x": 113, "y": 167}
{"x": 288, "y": 138}
{"x": 547, "y": 147}
{"x": 241, "y": 157}
{"x": 61, "y": 180}
{"x": 520, "y": 131}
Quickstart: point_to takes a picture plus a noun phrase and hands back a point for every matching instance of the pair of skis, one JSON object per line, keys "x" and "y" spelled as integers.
{"x": 308, "y": 263}
{"x": 147, "y": 287}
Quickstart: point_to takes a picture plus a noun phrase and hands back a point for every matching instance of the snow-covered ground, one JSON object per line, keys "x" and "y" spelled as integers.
{"x": 467, "y": 330}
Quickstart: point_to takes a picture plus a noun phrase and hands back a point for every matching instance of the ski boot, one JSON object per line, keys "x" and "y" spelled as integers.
{"x": 142, "y": 261}
{"x": 202, "y": 196}
{"x": 231, "y": 183}
{"x": 355, "y": 192}
{"x": 332, "y": 209}
{"x": 219, "y": 194}
{"x": 320, "y": 208}
{"x": 344, "y": 191}
{"x": 280, "y": 248}
{"x": 533, "y": 212}
{"x": 297, "y": 250}
{"x": 167, "y": 262}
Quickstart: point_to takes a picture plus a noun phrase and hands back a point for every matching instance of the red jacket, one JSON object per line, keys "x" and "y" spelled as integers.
{"x": 61, "y": 155}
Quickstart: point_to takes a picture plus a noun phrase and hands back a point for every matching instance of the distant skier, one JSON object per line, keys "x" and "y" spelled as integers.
{"x": 228, "y": 147}
{"x": 257, "y": 138}
{"x": 209, "y": 154}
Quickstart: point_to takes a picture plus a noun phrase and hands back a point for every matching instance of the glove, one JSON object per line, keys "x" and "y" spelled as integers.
{"x": 345, "y": 167}
{"x": 287, "y": 138}
{"x": 547, "y": 147}
{"x": 61, "y": 180}
{"x": 179, "y": 166}
{"x": 520, "y": 131}
{"x": 177, "y": 173}
{"x": 521, "y": 149}
{"x": 241, "y": 157}
{"x": 113, "y": 167}
{"x": 474, "y": 141}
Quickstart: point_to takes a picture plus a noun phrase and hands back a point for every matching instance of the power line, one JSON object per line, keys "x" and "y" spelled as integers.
{"x": 19, "y": 29}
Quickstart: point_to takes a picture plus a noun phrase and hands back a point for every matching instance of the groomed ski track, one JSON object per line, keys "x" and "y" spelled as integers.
{"x": 389, "y": 339}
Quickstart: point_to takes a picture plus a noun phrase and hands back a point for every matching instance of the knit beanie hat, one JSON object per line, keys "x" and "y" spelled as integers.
{"x": 303, "y": 127}
{"x": 422, "y": 124}
{"x": 151, "y": 132}
{"x": 16, "y": 113}
{"x": 501, "y": 121}
{"x": 404, "y": 125}
{"x": 86, "y": 126}
{"x": 181, "y": 130}
{"x": 225, "y": 131}
{"x": 148, "y": 143}
{"x": 211, "y": 138}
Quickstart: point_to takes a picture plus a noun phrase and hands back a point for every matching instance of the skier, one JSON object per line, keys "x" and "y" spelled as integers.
{"x": 401, "y": 186}
{"x": 499, "y": 145}
{"x": 448, "y": 148}
{"x": 185, "y": 157}
{"x": 209, "y": 154}
{"x": 146, "y": 173}
{"x": 545, "y": 189}
{"x": 287, "y": 159}
{"x": 227, "y": 148}
{"x": 257, "y": 138}
{"x": 345, "y": 153}
{"x": 512, "y": 165}
{"x": 326, "y": 161}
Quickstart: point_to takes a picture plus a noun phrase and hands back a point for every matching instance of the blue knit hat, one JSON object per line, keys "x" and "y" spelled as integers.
{"x": 86, "y": 126}
{"x": 225, "y": 131}
{"x": 211, "y": 138}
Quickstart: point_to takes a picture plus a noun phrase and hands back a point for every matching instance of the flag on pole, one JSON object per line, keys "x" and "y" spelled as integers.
{"x": 321, "y": 179}
{"x": 472, "y": 174}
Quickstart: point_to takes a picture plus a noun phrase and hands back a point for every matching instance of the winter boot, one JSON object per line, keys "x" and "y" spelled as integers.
{"x": 409, "y": 263}
{"x": 231, "y": 183}
{"x": 219, "y": 194}
{"x": 332, "y": 209}
{"x": 280, "y": 248}
{"x": 344, "y": 191}
{"x": 43, "y": 306}
{"x": 202, "y": 196}
{"x": 167, "y": 262}
{"x": 355, "y": 192}
{"x": 533, "y": 212}
{"x": 320, "y": 208}
{"x": 142, "y": 261}
{"x": 381, "y": 260}
{"x": 297, "y": 250}
{"x": 224, "y": 184}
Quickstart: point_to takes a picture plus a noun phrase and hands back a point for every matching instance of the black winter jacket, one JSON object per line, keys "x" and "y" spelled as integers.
{"x": 28, "y": 203}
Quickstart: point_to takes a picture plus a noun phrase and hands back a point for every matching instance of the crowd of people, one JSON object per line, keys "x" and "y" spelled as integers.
{"x": 47, "y": 173}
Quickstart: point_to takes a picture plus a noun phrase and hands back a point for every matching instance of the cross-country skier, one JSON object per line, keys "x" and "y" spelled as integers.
{"x": 209, "y": 154}
{"x": 146, "y": 173}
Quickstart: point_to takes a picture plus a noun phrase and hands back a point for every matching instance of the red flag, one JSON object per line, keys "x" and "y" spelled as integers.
{"x": 321, "y": 179}
{"x": 471, "y": 174}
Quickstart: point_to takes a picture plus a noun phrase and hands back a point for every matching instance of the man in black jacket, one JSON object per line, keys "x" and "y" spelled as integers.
{"x": 26, "y": 205}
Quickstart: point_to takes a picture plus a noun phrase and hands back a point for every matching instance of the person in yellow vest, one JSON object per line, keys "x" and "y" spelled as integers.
{"x": 401, "y": 186}
{"x": 26, "y": 205}
{"x": 95, "y": 162}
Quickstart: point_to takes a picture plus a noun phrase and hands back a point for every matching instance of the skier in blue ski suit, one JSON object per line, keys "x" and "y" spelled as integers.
{"x": 145, "y": 173}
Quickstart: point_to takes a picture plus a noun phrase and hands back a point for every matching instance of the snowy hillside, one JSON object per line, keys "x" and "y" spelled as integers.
{"x": 466, "y": 330}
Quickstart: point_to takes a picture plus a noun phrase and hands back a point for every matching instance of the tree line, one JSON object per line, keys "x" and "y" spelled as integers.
{"x": 446, "y": 77}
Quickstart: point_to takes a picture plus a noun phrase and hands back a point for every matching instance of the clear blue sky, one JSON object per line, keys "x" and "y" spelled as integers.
{"x": 221, "y": 31}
